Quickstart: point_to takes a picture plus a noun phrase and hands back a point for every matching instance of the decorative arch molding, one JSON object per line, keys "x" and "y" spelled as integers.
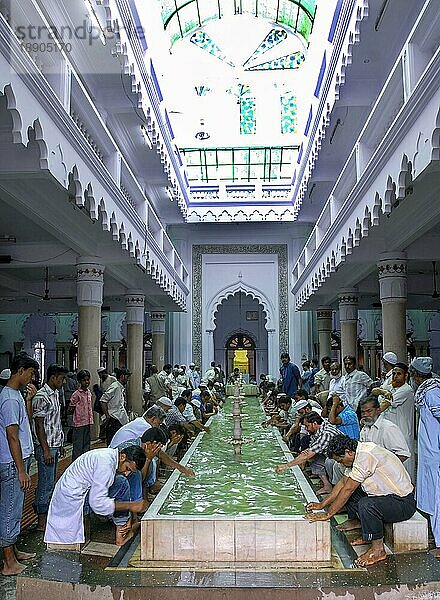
{"x": 244, "y": 332}
{"x": 197, "y": 277}
{"x": 35, "y": 133}
{"x": 397, "y": 186}
{"x": 229, "y": 292}
{"x": 352, "y": 38}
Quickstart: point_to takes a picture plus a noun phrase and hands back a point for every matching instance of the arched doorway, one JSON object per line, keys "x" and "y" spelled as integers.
{"x": 240, "y": 354}
{"x": 240, "y": 325}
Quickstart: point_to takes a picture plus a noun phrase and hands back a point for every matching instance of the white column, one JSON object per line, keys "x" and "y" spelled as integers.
{"x": 134, "y": 305}
{"x": 273, "y": 359}
{"x": 90, "y": 283}
{"x": 324, "y": 316}
{"x": 158, "y": 338}
{"x": 207, "y": 350}
{"x": 393, "y": 294}
{"x": 348, "y": 317}
{"x": 370, "y": 366}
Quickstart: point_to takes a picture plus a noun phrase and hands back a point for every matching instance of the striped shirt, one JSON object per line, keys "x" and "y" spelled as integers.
{"x": 319, "y": 440}
{"x": 356, "y": 386}
{"x": 46, "y": 405}
{"x": 174, "y": 417}
{"x": 379, "y": 471}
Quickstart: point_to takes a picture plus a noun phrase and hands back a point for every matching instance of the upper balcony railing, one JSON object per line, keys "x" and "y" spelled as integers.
{"x": 415, "y": 70}
{"x": 75, "y": 105}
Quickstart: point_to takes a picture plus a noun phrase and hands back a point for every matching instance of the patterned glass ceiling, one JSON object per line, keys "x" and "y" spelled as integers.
{"x": 182, "y": 16}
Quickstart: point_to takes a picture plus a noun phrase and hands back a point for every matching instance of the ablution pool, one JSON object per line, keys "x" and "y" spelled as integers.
{"x": 237, "y": 510}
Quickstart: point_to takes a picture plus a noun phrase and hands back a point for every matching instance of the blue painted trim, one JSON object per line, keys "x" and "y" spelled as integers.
{"x": 186, "y": 179}
{"x": 179, "y": 158}
{"x": 335, "y": 20}
{"x": 321, "y": 75}
{"x": 309, "y": 120}
{"x": 293, "y": 179}
{"x": 167, "y": 119}
{"x": 300, "y": 153}
{"x": 155, "y": 81}
{"x": 139, "y": 29}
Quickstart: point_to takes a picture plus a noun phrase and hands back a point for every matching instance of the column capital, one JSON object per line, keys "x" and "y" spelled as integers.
{"x": 348, "y": 305}
{"x": 324, "y": 312}
{"x": 157, "y": 322}
{"x": 89, "y": 281}
{"x": 134, "y": 307}
{"x": 392, "y": 270}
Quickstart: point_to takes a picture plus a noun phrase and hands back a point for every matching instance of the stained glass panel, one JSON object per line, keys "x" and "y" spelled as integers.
{"x": 202, "y": 90}
{"x": 289, "y": 61}
{"x": 248, "y": 120}
{"x": 204, "y": 41}
{"x": 288, "y": 113}
{"x": 188, "y": 17}
{"x": 273, "y": 38}
{"x": 297, "y": 14}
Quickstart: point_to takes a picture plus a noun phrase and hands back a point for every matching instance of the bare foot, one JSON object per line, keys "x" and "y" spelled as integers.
{"x": 121, "y": 540}
{"x": 349, "y": 525}
{"x": 358, "y": 542}
{"x": 435, "y": 552}
{"x": 24, "y": 555}
{"x": 14, "y": 568}
{"x": 370, "y": 557}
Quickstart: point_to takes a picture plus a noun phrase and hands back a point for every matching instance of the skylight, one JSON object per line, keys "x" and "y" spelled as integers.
{"x": 182, "y": 16}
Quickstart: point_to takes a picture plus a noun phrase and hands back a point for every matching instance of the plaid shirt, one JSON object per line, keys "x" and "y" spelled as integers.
{"x": 174, "y": 417}
{"x": 319, "y": 440}
{"x": 46, "y": 404}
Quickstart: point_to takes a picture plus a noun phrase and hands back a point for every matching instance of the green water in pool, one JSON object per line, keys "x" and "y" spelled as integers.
{"x": 226, "y": 484}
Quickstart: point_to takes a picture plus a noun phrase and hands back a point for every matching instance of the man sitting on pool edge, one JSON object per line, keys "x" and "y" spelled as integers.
{"x": 375, "y": 489}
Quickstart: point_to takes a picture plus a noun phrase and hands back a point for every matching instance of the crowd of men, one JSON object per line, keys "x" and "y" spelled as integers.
{"x": 117, "y": 481}
{"x": 357, "y": 435}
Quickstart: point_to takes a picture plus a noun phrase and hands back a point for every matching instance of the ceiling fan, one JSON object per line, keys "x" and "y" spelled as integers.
{"x": 46, "y": 296}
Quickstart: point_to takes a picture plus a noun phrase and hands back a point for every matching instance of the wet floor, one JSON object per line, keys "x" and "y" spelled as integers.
{"x": 410, "y": 569}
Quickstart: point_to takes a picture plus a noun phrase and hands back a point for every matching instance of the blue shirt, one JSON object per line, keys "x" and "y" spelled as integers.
{"x": 13, "y": 412}
{"x": 291, "y": 376}
{"x": 350, "y": 423}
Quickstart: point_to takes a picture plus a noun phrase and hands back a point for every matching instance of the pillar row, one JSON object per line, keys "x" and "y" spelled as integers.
{"x": 324, "y": 316}
{"x": 348, "y": 316}
{"x": 90, "y": 283}
{"x": 392, "y": 270}
{"x": 134, "y": 305}
{"x": 158, "y": 338}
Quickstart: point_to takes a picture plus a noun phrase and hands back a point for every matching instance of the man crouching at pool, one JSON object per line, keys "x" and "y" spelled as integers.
{"x": 96, "y": 481}
{"x": 375, "y": 489}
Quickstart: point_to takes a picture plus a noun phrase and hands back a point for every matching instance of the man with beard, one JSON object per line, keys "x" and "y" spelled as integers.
{"x": 427, "y": 400}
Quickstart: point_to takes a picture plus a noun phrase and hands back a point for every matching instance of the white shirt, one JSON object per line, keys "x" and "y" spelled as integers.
{"x": 131, "y": 431}
{"x": 401, "y": 412}
{"x": 337, "y": 386}
{"x": 114, "y": 397}
{"x": 188, "y": 413}
{"x": 92, "y": 472}
{"x": 356, "y": 386}
{"x": 386, "y": 434}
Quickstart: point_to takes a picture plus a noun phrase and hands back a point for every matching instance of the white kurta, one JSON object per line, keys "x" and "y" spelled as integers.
{"x": 92, "y": 472}
{"x": 401, "y": 412}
